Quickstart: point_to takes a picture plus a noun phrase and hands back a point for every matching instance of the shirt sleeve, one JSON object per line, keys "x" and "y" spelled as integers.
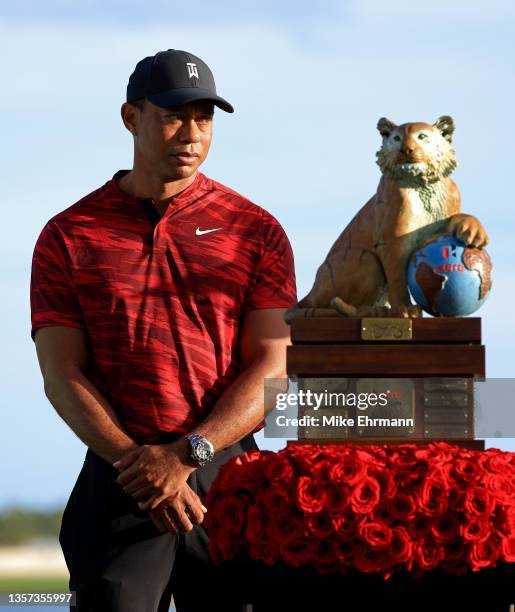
{"x": 53, "y": 296}
{"x": 275, "y": 286}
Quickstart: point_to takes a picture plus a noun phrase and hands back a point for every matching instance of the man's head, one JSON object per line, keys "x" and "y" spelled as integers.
{"x": 170, "y": 142}
{"x": 169, "y": 111}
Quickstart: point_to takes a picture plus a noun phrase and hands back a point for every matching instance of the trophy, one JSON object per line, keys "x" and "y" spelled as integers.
{"x": 357, "y": 337}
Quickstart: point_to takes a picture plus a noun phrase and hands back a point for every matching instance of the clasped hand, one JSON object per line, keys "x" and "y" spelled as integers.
{"x": 156, "y": 478}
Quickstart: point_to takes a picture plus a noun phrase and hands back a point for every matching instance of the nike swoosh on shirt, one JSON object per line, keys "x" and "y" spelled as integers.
{"x": 199, "y": 232}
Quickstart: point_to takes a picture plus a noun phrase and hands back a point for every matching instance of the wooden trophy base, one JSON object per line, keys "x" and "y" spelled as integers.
{"x": 434, "y": 361}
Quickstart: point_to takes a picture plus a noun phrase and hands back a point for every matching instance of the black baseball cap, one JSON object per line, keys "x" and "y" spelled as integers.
{"x": 170, "y": 78}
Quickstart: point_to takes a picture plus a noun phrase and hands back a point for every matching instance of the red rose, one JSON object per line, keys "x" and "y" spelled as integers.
{"x": 412, "y": 481}
{"x": 386, "y": 482}
{"x": 228, "y": 479}
{"x": 275, "y": 499}
{"x": 376, "y": 535}
{"x": 287, "y": 528}
{"x": 322, "y": 472}
{"x": 408, "y": 462}
{"x": 323, "y": 554}
{"x": 401, "y": 549}
{"x": 428, "y": 554}
{"x": 503, "y": 520}
{"x": 340, "y": 508}
{"x": 419, "y": 527}
{"x": 483, "y": 554}
{"x": 346, "y": 527}
{"x": 303, "y": 459}
{"x": 227, "y": 543}
{"x": 296, "y": 552}
{"x": 479, "y": 502}
{"x": 494, "y": 461}
{"x": 230, "y": 512}
{"x": 475, "y": 530}
{"x": 501, "y": 487}
{"x": 344, "y": 551}
{"x": 348, "y": 470}
{"x": 369, "y": 456}
{"x": 320, "y": 525}
{"x": 402, "y": 507}
{"x": 365, "y": 495}
{"x": 322, "y": 453}
{"x": 432, "y": 498}
{"x": 429, "y": 454}
{"x": 279, "y": 469}
{"x": 508, "y": 548}
{"x": 310, "y": 496}
{"x": 252, "y": 475}
{"x": 456, "y": 499}
{"x": 454, "y": 551}
{"x": 255, "y": 523}
{"x": 381, "y": 515}
{"x": 251, "y": 456}
{"x": 444, "y": 448}
{"x": 337, "y": 499}
{"x": 260, "y": 550}
{"x": 445, "y": 528}
{"x": 369, "y": 560}
{"x": 466, "y": 471}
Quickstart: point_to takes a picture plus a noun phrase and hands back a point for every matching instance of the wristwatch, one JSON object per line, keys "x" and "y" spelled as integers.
{"x": 202, "y": 451}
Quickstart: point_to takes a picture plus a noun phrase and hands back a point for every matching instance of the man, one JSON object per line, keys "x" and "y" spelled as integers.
{"x": 157, "y": 312}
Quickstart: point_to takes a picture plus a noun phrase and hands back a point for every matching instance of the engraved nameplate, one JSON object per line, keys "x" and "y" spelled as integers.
{"x": 454, "y": 400}
{"x": 447, "y": 431}
{"x": 440, "y": 416}
{"x": 387, "y": 328}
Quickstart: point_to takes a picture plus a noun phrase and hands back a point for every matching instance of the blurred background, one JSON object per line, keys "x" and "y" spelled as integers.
{"x": 309, "y": 82}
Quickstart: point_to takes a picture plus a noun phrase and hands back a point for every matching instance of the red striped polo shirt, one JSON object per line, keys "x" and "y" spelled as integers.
{"x": 161, "y": 298}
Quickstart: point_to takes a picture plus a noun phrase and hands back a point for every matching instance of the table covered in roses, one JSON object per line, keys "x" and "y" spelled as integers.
{"x": 388, "y": 527}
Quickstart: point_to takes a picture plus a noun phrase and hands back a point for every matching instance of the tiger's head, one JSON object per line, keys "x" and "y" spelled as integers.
{"x": 416, "y": 154}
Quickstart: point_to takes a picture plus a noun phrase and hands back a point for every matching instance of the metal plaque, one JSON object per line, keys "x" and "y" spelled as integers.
{"x": 386, "y": 328}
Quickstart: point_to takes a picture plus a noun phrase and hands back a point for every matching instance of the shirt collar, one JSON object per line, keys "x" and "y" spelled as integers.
{"x": 183, "y": 198}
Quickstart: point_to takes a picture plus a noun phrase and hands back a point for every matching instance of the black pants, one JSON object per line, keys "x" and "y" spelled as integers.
{"x": 119, "y": 562}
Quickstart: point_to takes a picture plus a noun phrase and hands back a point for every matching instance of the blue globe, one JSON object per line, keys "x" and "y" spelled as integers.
{"x": 447, "y": 278}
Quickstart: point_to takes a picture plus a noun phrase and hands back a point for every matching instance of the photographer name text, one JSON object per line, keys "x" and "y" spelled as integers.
{"x": 362, "y": 420}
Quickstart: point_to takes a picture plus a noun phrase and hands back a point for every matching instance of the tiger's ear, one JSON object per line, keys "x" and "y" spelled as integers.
{"x": 385, "y": 127}
{"x": 446, "y": 126}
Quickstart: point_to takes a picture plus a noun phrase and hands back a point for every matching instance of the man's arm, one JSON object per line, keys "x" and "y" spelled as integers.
{"x": 63, "y": 355}
{"x": 263, "y": 340}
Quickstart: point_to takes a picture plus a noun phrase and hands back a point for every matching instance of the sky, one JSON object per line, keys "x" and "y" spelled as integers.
{"x": 308, "y": 81}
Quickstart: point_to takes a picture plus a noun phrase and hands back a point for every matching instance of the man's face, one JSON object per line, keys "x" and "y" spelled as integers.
{"x": 173, "y": 141}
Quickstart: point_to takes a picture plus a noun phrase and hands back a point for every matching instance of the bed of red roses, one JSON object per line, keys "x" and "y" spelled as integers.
{"x": 376, "y": 509}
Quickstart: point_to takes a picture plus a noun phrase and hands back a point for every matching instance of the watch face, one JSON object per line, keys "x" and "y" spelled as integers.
{"x": 203, "y": 451}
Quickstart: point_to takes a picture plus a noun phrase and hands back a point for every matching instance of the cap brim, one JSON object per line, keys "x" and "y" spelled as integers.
{"x": 175, "y": 97}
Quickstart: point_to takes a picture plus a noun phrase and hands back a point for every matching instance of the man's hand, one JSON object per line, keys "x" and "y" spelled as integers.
{"x": 153, "y": 473}
{"x": 170, "y": 515}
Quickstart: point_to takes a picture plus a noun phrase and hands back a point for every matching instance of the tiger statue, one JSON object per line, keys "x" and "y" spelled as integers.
{"x": 364, "y": 273}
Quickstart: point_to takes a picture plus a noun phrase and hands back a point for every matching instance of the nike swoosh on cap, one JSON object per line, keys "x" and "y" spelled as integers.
{"x": 199, "y": 232}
